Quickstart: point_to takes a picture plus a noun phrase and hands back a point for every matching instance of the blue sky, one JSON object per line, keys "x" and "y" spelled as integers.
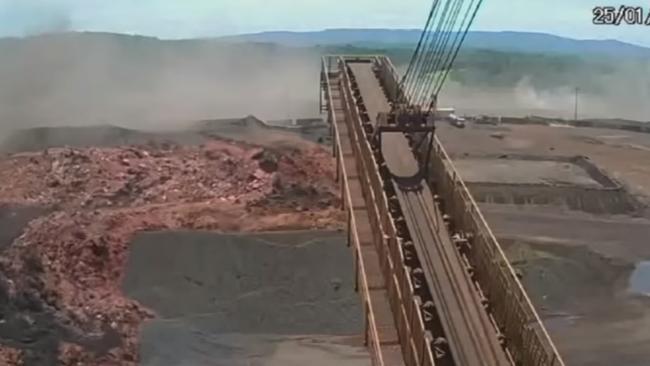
{"x": 207, "y": 18}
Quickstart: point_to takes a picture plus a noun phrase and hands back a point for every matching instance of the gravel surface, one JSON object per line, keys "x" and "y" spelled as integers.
{"x": 262, "y": 299}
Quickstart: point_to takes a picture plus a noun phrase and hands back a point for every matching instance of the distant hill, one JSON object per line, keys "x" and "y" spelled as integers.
{"x": 331, "y": 37}
{"x": 497, "y": 41}
{"x": 507, "y": 41}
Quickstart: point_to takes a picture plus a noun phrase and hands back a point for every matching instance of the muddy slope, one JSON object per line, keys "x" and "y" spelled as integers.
{"x": 266, "y": 299}
{"x": 286, "y": 283}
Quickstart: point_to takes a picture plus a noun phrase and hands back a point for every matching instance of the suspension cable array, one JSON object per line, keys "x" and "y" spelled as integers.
{"x": 436, "y": 51}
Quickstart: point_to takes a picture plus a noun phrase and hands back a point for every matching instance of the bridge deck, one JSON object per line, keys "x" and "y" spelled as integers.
{"x": 370, "y": 280}
{"x": 472, "y": 337}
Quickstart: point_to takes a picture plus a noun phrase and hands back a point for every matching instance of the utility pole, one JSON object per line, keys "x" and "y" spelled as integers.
{"x": 575, "y": 113}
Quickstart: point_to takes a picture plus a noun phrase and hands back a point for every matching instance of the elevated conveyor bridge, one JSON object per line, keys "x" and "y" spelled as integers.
{"x": 437, "y": 287}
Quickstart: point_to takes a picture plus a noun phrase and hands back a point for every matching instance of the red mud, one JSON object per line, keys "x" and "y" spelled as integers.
{"x": 102, "y": 197}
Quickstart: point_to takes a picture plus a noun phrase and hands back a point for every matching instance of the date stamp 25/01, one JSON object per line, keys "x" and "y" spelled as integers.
{"x": 630, "y": 15}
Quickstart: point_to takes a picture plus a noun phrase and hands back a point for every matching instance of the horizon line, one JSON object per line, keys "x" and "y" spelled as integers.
{"x": 90, "y": 31}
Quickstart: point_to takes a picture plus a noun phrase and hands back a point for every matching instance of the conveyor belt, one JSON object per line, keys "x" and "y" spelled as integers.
{"x": 471, "y": 336}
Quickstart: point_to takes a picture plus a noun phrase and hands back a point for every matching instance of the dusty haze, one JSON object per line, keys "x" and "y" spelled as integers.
{"x": 142, "y": 82}
{"x": 89, "y": 79}
{"x": 621, "y": 99}
{"x": 622, "y": 93}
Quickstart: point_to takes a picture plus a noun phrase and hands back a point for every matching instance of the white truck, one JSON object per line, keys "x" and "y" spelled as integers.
{"x": 449, "y": 115}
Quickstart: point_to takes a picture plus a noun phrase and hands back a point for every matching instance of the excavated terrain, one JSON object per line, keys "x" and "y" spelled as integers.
{"x": 577, "y": 234}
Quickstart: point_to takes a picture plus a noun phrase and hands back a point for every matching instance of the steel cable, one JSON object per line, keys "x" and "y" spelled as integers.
{"x": 430, "y": 55}
{"x": 437, "y": 50}
{"x": 439, "y": 54}
{"x": 451, "y": 62}
{"x": 439, "y": 65}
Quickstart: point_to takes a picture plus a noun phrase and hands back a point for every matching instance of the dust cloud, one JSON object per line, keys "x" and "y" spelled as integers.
{"x": 75, "y": 79}
{"x": 624, "y": 95}
{"x": 80, "y": 79}
{"x": 621, "y": 94}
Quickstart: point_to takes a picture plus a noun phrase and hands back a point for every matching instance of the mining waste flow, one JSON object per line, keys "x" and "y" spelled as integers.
{"x": 436, "y": 284}
{"x": 26, "y": 324}
{"x": 196, "y": 133}
{"x": 13, "y": 220}
{"x": 263, "y": 299}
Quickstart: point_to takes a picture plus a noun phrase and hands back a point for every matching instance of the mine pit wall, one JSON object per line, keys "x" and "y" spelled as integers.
{"x": 596, "y": 173}
{"x": 596, "y": 201}
{"x": 526, "y": 337}
{"x": 610, "y": 198}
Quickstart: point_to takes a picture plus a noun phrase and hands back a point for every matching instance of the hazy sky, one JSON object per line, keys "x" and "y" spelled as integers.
{"x": 206, "y": 18}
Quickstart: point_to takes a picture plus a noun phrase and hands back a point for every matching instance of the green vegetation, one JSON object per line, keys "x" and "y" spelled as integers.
{"x": 542, "y": 71}
{"x": 485, "y": 68}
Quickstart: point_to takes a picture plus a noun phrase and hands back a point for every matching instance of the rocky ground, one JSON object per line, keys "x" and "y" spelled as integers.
{"x": 60, "y": 290}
